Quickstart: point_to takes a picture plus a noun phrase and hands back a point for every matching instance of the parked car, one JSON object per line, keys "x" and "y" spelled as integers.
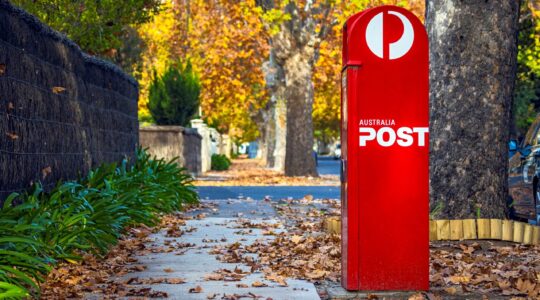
{"x": 337, "y": 152}
{"x": 524, "y": 175}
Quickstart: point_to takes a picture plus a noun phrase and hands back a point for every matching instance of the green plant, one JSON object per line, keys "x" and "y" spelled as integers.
{"x": 174, "y": 97}
{"x": 96, "y": 26}
{"x": 89, "y": 215}
{"x": 220, "y": 162}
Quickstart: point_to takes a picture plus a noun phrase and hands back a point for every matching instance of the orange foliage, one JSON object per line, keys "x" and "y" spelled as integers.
{"x": 227, "y": 44}
{"x": 326, "y": 78}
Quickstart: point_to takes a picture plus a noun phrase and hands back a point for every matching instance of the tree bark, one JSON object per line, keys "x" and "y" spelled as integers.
{"x": 274, "y": 118}
{"x": 299, "y": 160}
{"x": 473, "y": 48}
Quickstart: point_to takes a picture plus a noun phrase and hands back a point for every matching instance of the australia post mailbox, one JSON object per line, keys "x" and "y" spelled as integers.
{"x": 384, "y": 140}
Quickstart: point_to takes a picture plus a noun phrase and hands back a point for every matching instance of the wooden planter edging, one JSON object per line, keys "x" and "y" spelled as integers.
{"x": 469, "y": 229}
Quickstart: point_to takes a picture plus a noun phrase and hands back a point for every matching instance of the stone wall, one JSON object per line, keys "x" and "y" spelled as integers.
{"x": 168, "y": 142}
{"x": 62, "y": 112}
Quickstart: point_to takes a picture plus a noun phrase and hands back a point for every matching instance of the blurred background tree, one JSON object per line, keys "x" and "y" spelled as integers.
{"x": 226, "y": 42}
{"x": 527, "y": 91}
{"x": 96, "y": 26}
{"x": 174, "y": 96}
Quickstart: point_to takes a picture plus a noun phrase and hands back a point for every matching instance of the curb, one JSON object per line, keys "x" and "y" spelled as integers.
{"x": 468, "y": 229}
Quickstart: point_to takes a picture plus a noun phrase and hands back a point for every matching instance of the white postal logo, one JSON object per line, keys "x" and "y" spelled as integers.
{"x": 374, "y": 36}
{"x": 387, "y": 136}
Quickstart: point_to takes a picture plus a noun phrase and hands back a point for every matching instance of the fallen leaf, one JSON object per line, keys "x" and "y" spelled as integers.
{"x": 459, "y": 279}
{"x": 58, "y": 89}
{"x": 417, "y": 296}
{"x": 296, "y": 239}
{"x": 168, "y": 270}
{"x": 175, "y": 281}
{"x": 258, "y": 284}
{"x": 2, "y": 69}
{"x": 242, "y": 285}
{"x": 213, "y": 276}
{"x": 45, "y": 172}
{"x": 451, "y": 290}
{"x": 316, "y": 274}
{"x": 197, "y": 289}
{"x": 12, "y": 135}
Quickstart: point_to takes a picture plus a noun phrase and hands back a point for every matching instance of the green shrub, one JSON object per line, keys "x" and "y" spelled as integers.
{"x": 220, "y": 162}
{"x": 84, "y": 216}
{"x": 174, "y": 97}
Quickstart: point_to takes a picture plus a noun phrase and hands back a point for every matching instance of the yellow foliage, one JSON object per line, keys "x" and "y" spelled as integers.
{"x": 326, "y": 77}
{"x": 226, "y": 44}
{"x": 159, "y": 38}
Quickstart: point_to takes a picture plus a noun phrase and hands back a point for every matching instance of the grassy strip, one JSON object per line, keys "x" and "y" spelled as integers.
{"x": 39, "y": 229}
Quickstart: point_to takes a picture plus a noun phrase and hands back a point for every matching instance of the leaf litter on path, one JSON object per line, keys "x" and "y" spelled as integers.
{"x": 101, "y": 275}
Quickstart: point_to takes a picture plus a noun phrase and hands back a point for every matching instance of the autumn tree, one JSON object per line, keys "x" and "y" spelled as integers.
{"x": 160, "y": 38}
{"x": 294, "y": 50}
{"x": 473, "y": 51}
{"x": 327, "y": 71}
{"x": 226, "y": 42}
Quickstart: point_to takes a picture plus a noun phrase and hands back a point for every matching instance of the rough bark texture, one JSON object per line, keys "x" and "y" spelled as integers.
{"x": 299, "y": 160}
{"x": 473, "y": 63}
{"x": 290, "y": 68}
{"x": 296, "y": 48}
{"x": 273, "y": 118}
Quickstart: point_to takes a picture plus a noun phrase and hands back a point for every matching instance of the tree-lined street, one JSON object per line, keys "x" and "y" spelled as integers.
{"x": 270, "y": 149}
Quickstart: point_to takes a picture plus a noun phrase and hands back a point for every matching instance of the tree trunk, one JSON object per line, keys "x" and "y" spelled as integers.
{"x": 299, "y": 160}
{"x": 280, "y": 132}
{"x": 274, "y": 119}
{"x": 473, "y": 48}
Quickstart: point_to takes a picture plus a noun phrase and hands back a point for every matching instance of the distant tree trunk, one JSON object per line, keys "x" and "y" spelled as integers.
{"x": 274, "y": 119}
{"x": 473, "y": 47}
{"x": 293, "y": 55}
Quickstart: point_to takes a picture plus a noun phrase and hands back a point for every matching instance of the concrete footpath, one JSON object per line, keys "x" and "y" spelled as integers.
{"x": 195, "y": 262}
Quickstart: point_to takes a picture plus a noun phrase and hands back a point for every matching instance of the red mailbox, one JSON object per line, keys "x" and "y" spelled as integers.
{"x": 385, "y": 150}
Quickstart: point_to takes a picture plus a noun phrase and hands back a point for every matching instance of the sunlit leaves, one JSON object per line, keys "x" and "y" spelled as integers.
{"x": 94, "y": 25}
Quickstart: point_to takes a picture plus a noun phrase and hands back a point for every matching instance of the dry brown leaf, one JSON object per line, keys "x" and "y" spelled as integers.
{"x": 12, "y": 135}
{"x": 139, "y": 268}
{"x": 175, "y": 280}
{"x": 45, "y": 172}
{"x": 168, "y": 270}
{"x": 451, "y": 290}
{"x": 259, "y": 284}
{"x": 2, "y": 69}
{"x": 242, "y": 285}
{"x": 459, "y": 279}
{"x": 196, "y": 290}
{"x": 213, "y": 276}
{"x": 417, "y": 296}
{"x": 58, "y": 89}
{"x": 316, "y": 274}
{"x": 296, "y": 239}
{"x": 276, "y": 278}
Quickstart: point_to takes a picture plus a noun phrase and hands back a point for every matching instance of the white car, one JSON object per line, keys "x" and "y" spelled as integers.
{"x": 337, "y": 152}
